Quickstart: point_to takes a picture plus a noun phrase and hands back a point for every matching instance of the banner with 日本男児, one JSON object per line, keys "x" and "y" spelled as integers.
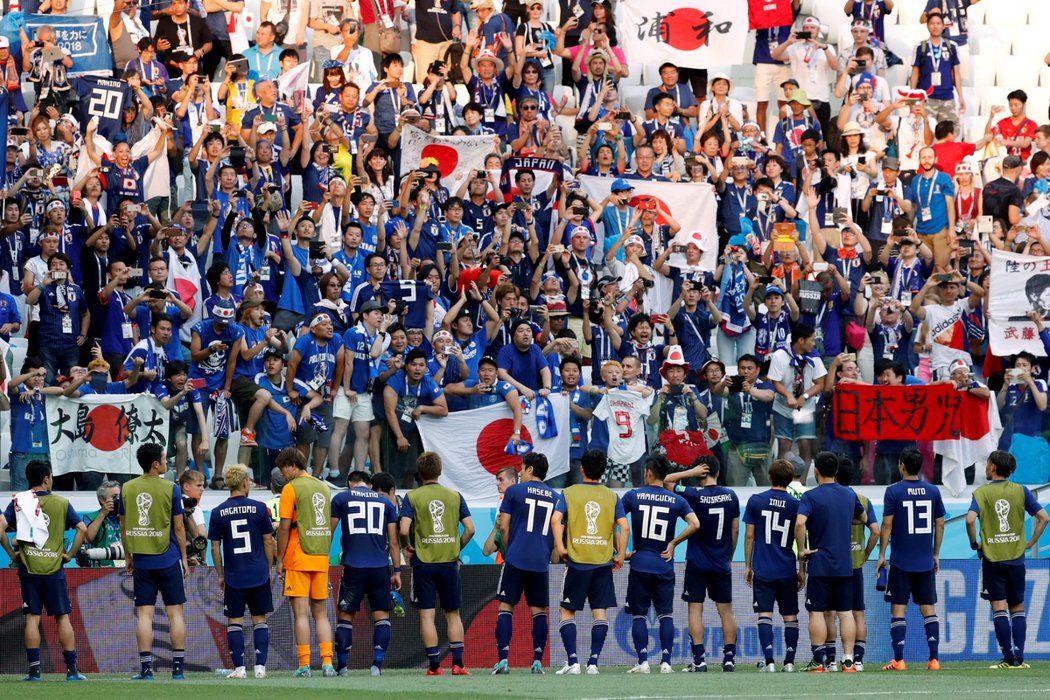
{"x": 688, "y": 33}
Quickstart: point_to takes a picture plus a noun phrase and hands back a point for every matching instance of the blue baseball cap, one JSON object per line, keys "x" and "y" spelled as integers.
{"x": 773, "y": 289}
{"x": 866, "y": 78}
{"x": 738, "y": 241}
{"x": 223, "y": 311}
{"x": 621, "y": 185}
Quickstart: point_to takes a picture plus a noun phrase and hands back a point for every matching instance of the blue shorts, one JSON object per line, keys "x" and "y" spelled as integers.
{"x": 785, "y": 428}
{"x": 1003, "y": 581}
{"x": 783, "y": 592}
{"x": 918, "y": 586}
{"x": 357, "y": 583}
{"x": 168, "y": 582}
{"x": 829, "y": 593}
{"x": 433, "y": 581}
{"x": 514, "y": 581}
{"x": 583, "y": 586}
{"x": 258, "y": 600}
{"x": 192, "y": 428}
{"x": 645, "y": 588}
{"x": 858, "y": 590}
{"x": 700, "y": 584}
{"x": 41, "y": 593}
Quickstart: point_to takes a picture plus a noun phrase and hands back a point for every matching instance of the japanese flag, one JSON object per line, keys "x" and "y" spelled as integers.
{"x": 186, "y": 280}
{"x": 472, "y": 445}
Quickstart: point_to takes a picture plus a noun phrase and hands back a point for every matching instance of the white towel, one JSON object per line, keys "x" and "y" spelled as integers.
{"x": 30, "y": 522}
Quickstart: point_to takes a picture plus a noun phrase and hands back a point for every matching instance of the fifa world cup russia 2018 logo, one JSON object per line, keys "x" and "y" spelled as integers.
{"x": 437, "y": 512}
{"x": 591, "y": 511}
{"x": 318, "y": 503}
{"x": 143, "y": 502}
{"x": 1002, "y": 511}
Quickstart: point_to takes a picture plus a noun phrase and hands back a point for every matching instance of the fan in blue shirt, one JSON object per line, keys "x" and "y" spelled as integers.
{"x": 826, "y": 513}
{"x": 243, "y": 547}
{"x": 654, "y": 512}
{"x": 708, "y": 556}
{"x": 913, "y": 526}
{"x": 769, "y": 561}
{"x": 369, "y": 540}
{"x": 524, "y": 523}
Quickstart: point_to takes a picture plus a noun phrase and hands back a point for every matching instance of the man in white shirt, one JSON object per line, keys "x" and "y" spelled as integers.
{"x": 944, "y": 320}
{"x": 812, "y": 62}
{"x": 798, "y": 379}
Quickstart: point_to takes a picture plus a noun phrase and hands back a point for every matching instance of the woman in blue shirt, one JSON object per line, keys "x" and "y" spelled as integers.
{"x": 1022, "y": 401}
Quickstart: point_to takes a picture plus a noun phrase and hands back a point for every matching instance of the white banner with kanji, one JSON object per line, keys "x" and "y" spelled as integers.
{"x": 688, "y": 33}
{"x": 1019, "y": 285}
{"x": 101, "y": 433}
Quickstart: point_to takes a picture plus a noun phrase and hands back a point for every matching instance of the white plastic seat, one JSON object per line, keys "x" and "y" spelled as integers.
{"x": 983, "y": 74}
{"x": 633, "y": 97}
{"x": 1016, "y": 72}
{"x": 908, "y": 12}
{"x": 903, "y": 40}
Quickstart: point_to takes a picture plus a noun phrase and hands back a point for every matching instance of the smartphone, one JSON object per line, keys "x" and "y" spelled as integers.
{"x": 369, "y": 138}
{"x": 803, "y": 35}
{"x": 76, "y": 197}
{"x": 820, "y": 267}
{"x": 577, "y": 11}
{"x": 443, "y": 246}
{"x": 850, "y": 357}
{"x": 604, "y": 126}
{"x": 18, "y": 131}
{"x": 240, "y": 194}
{"x": 134, "y": 209}
{"x": 134, "y": 272}
{"x": 862, "y": 160}
{"x": 316, "y": 250}
{"x": 581, "y": 211}
{"x": 944, "y": 277}
{"x": 158, "y": 294}
{"x": 736, "y": 384}
{"x": 200, "y": 214}
{"x": 271, "y": 118}
{"x": 765, "y": 279}
{"x": 623, "y": 116}
{"x": 984, "y": 225}
{"x": 678, "y": 248}
{"x": 840, "y": 215}
{"x": 237, "y": 157}
{"x": 35, "y": 172}
{"x": 216, "y": 127}
{"x": 58, "y": 275}
{"x": 196, "y": 383}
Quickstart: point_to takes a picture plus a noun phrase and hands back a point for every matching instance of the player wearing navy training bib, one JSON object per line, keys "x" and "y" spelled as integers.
{"x": 369, "y": 542}
{"x": 912, "y": 526}
{"x": 826, "y": 513}
{"x": 243, "y": 547}
{"x": 708, "y": 556}
{"x": 524, "y": 524}
{"x": 654, "y": 513}
{"x": 770, "y": 564}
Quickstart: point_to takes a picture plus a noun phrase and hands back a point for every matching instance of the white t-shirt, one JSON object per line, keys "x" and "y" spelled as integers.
{"x": 781, "y": 370}
{"x": 910, "y": 140}
{"x": 947, "y": 334}
{"x": 814, "y": 75}
{"x": 625, "y": 412}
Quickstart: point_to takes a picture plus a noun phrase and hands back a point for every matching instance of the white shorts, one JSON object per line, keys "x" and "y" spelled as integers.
{"x": 358, "y": 412}
{"x": 768, "y": 78}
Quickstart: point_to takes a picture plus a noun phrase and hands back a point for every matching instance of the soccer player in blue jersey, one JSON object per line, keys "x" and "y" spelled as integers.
{"x": 708, "y": 556}
{"x": 654, "y": 513}
{"x": 524, "y": 525}
{"x": 912, "y": 526}
{"x": 370, "y": 542}
{"x": 826, "y": 513}
{"x": 770, "y": 564}
{"x": 243, "y": 548}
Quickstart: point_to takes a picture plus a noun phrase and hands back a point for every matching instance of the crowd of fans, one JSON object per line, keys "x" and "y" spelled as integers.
{"x": 853, "y": 244}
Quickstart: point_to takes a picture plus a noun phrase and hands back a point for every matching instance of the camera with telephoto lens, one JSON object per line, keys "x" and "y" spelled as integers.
{"x": 88, "y": 554}
{"x": 436, "y": 67}
{"x": 195, "y": 550}
{"x": 189, "y": 503}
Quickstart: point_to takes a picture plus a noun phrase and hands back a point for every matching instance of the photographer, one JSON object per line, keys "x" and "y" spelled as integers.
{"x": 45, "y": 63}
{"x": 192, "y": 485}
{"x": 436, "y": 102}
{"x": 103, "y": 525}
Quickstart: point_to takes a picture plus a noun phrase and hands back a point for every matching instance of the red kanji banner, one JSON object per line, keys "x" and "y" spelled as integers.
{"x": 935, "y": 412}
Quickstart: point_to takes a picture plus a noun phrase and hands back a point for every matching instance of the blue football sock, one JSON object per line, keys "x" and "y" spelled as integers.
{"x": 640, "y": 637}
{"x": 567, "y": 628}
{"x": 1019, "y": 624}
{"x": 1001, "y": 621}
{"x": 434, "y": 657}
{"x": 666, "y": 638}
{"x": 820, "y": 654}
{"x": 539, "y": 636}
{"x": 933, "y": 634}
{"x": 898, "y": 633}
{"x": 145, "y": 662}
{"x": 858, "y": 649}
{"x": 504, "y": 631}
{"x": 829, "y": 653}
{"x": 344, "y": 641}
{"x": 33, "y": 657}
{"x": 790, "y": 641}
{"x": 70, "y": 657}
{"x": 729, "y": 653}
{"x": 765, "y": 637}
{"x": 261, "y": 637}
{"x": 178, "y": 661}
{"x": 235, "y": 639}
{"x": 457, "y": 653}
{"x": 380, "y": 642}
{"x": 698, "y": 654}
{"x": 599, "y": 629}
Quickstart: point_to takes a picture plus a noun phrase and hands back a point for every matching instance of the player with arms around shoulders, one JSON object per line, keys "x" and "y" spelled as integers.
{"x": 524, "y": 523}
{"x": 585, "y": 532}
{"x": 242, "y": 548}
{"x": 432, "y": 515}
{"x": 369, "y": 543}
{"x": 913, "y": 527}
{"x": 654, "y": 513}
{"x": 770, "y": 564}
{"x": 1000, "y": 505}
{"x": 40, "y": 560}
{"x": 708, "y": 556}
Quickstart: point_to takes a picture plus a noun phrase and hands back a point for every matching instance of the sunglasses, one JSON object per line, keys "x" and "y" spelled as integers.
{"x": 529, "y": 108}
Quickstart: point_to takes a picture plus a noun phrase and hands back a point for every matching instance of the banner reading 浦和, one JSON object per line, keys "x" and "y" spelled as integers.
{"x": 688, "y": 33}
{"x": 99, "y": 433}
{"x": 927, "y": 412}
{"x": 1019, "y": 285}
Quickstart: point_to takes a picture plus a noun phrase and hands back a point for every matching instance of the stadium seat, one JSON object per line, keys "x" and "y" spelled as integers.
{"x": 829, "y": 12}
{"x": 634, "y": 97}
{"x": 973, "y": 128}
{"x": 1016, "y": 71}
{"x": 983, "y": 73}
{"x": 991, "y": 48}
{"x": 990, "y": 97}
{"x": 1007, "y": 14}
{"x": 976, "y": 15}
{"x": 1044, "y": 75}
{"x": 908, "y": 12}
{"x": 903, "y": 40}
{"x": 898, "y": 75}
{"x": 636, "y": 75}
{"x": 560, "y": 90}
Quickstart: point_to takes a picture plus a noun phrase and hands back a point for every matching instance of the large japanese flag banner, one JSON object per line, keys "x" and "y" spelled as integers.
{"x": 688, "y": 33}
{"x": 453, "y": 155}
{"x": 102, "y": 433}
{"x": 1019, "y": 284}
{"x": 472, "y": 445}
{"x": 693, "y": 205}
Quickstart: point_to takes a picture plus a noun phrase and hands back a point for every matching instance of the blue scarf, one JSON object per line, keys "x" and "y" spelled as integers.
{"x": 731, "y": 293}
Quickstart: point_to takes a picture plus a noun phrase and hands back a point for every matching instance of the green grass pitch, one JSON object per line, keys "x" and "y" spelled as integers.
{"x": 970, "y": 679}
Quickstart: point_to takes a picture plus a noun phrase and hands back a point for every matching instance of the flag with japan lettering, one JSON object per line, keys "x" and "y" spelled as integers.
{"x": 472, "y": 445}
{"x": 688, "y": 33}
{"x": 1019, "y": 285}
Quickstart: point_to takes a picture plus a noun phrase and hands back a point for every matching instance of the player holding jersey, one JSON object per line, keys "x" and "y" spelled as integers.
{"x": 1001, "y": 505}
{"x": 913, "y": 526}
{"x": 369, "y": 543}
{"x": 524, "y": 526}
{"x": 708, "y": 556}
{"x": 243, "y": 547}
{"x": 769, "y": 562}
{"x": 585, "y": 526}
{"x": 654, "y": 513}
